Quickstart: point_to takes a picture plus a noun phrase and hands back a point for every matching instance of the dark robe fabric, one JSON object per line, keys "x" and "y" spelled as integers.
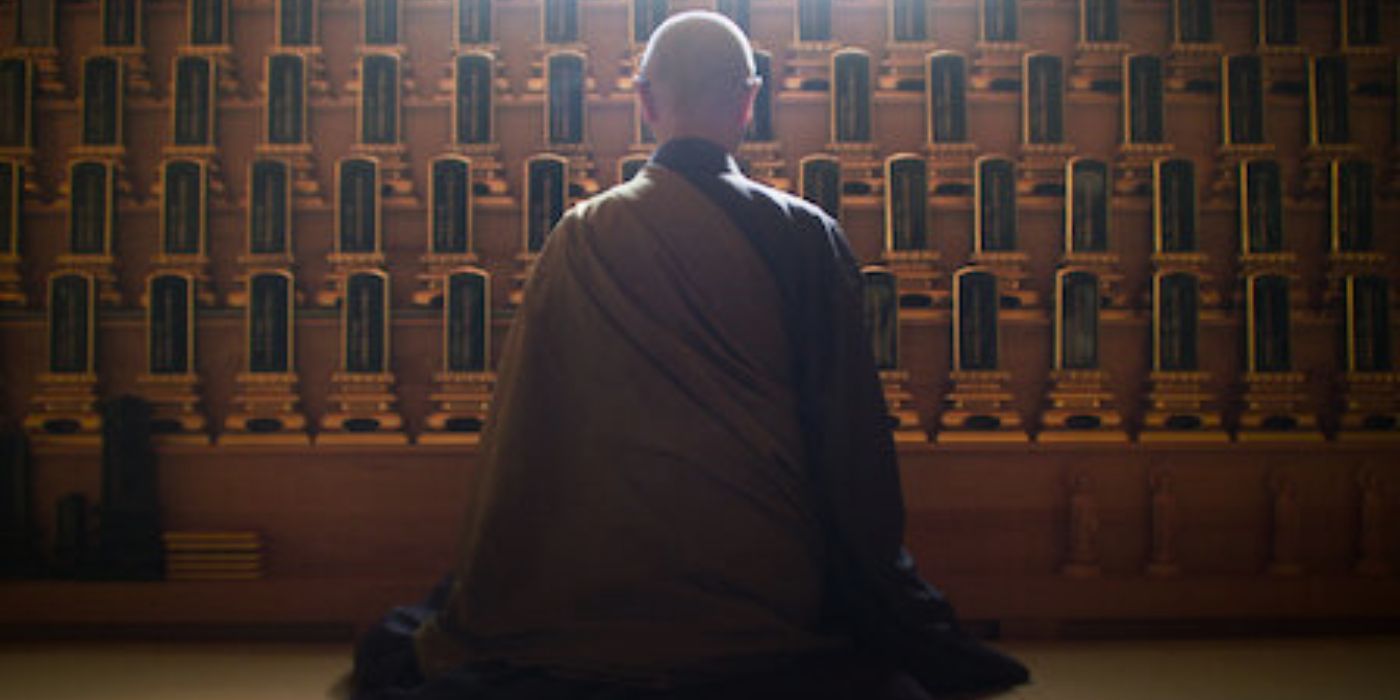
{"x": 687, "y": 481}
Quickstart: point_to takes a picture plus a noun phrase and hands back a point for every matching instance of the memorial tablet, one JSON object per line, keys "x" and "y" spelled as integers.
{"x": 286, "y": 98}
{"x": 976, "y": 325}
{"x": 379, "y": 100}
{"x": 269, "y": 207}
{"x": 850, "y": 96}
{"x": 466, "y": 317}
{"x": 1175, "y": 320}
{"x": 170, "y": 325}
{"x": 270, "y": 323}
{"x": 473, "y": 111}
{"x": 102, "y": 101}
{"x": 450, "y": 206}
{"x": 564, "y": 104}
{"x": 194, "y": 101}
{"x": 357, "y": 206}
{"x": 184, "y": 198}
{"x": 946, "y": 97}
{"x": 365, "y": 320}
{"x": 1174, "y": 205}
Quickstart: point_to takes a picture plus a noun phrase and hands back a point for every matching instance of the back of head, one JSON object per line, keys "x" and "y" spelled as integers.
{"x": 699, "y": 63}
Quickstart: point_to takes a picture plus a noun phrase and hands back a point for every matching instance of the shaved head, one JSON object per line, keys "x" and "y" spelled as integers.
{"x": 697, "y": 77}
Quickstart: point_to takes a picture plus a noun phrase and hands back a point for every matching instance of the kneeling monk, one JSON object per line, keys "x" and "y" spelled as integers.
{"x": 688, "y": 485}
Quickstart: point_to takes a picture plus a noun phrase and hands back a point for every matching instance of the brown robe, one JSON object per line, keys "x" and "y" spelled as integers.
{"x": 688, "y": 473}
{"x": 643, "y": 510}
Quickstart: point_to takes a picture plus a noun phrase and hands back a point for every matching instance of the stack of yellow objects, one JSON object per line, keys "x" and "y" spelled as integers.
{"x": 213, "y": 556}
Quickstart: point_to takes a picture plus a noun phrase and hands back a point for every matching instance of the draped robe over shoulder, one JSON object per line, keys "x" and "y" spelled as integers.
{"x": 688, "y": 471}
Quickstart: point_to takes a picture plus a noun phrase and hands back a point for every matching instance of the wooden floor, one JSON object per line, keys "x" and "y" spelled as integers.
{"x": 1274, "y": 669}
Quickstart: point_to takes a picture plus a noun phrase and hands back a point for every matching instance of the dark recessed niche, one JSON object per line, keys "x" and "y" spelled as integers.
{"x": 1280, "y": 423}
{"x": 1379, "y": 422}
{"x": 61, "y": 426}
{"x": 982, "y": 422}
{"x": 263, "y": 425}
{"x": 361, "y": 425}
{"x": 1184, "y": 422}
{"x": 1083, "y": 422}
{"x": 463, "y": 425}
{"x": 165, "y": 426}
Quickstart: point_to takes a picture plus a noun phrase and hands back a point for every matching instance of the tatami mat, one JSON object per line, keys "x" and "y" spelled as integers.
{"x": 1366, "y": 668}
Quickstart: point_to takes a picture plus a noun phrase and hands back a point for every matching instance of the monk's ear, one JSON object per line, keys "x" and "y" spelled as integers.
{"x": 750, "y": 94}
{"x": 648, "y": 101}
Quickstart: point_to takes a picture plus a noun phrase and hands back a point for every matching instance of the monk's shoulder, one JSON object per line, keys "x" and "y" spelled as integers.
{"x": 605, "y": 207}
